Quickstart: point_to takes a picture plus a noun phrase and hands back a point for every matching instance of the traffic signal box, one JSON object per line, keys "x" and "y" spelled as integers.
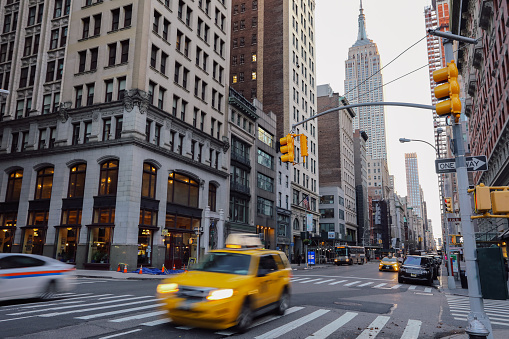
{"x": 288, "y": 147}
{"x": 449, "y": 89}
{"x": 448, "y": 205}
{"x": 494, "y": 198}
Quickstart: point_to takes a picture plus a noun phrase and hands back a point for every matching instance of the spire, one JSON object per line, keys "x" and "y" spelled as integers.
{"x": 362, "y": 25}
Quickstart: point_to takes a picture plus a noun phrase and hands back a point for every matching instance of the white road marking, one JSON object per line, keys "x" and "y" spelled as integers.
{"x": 287, "y": 312}
{"x": 186, "y": 328}
{"x": 94, "y": 308}
{"x": 412, "y": 329}
{"x": 492, "y": 322}
{"x": 323, "y": 281}
{"x": 365, "y": 284}
{"x": 157, "y": 322}
{"x": 379, "y": 285}
{"x": 277, "y": 332}
{"x": 427, "y": 290}
{"x": 305, "y": 282}
{"x": 489, "y": 313}
{"x": 352, "y": 283}
{"x": 298, "y": 279}
{"x": 374, "y": 328}
{"x": 138, "y": 316}
{"x": 120, "y": 334}
{"x": 29, "y": 316}
{"x": 396, "y": 286}
{"x": 127, "y": 310}
{"x": 412, "y": 287}
{"x": 337, "y": 282}
{"x": 333, "y": 326}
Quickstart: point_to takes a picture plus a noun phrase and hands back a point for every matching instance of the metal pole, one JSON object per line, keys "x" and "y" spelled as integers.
{"x": 469, "y": 246}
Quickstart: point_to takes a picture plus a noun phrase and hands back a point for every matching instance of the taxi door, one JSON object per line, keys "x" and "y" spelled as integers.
{"x": 265, "y": 278}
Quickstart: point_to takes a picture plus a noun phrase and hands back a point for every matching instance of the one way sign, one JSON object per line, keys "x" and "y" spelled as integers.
{"x": 477, "y": 163}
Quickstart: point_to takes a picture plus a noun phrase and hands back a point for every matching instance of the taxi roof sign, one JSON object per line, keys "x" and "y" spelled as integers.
{"x": 243, "y": 240}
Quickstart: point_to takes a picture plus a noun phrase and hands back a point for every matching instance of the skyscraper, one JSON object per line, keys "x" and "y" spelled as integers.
{"x": 364, "y": 84}
{"x": 413, "y": 188}
{"x": 273, "y": 59}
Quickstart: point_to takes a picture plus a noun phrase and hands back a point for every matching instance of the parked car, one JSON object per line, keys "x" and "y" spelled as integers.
{"x": 33, "y": 276}
{"x": 417, "y": 268}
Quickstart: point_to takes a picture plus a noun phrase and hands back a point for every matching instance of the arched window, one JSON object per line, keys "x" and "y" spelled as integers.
{"x": 77, "y": 181}
{"x": 109, "y": 177}
{"x": 148, "y": 187}
{"x": 182, "y": 190}
{"x": 44, "y": 183}
{"x": 14, "y": 185}
{"x": 212, "y": 197}
{"x": 296, "y": 224}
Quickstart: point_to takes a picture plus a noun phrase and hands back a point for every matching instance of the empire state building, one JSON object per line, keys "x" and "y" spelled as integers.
{"x": 363, "y": 85}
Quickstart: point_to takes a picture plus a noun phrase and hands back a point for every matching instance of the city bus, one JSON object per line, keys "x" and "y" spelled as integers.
{"x": 350, "y": 255}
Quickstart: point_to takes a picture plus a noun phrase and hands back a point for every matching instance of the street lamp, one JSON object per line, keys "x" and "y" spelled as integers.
{"x": 450, "y": 279}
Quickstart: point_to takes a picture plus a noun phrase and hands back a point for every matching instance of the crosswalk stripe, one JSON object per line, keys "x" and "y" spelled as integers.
{"x": 427, "y": 290}
{"x": 157, "y": 322}
{"x": 298, "y": 279}
{"x": 465, "y": 299}
{"x": 73, "y": 306}
{"x": 287, "y": 312}
{"x": 138, "y": 316}
{"x": 305, "y": 282}
{"x": 412, "y": 287}
{"x": 467, "y": 307}
{"x": 379, "y": 285}
{"x": 490, "y": 313}
{"x": 352, "y": 283}
{"x": 365, "y": 284}
{"x": 104, "y": 314}
{"x": 492, "y": 322}
{"x": 333, "y": 326}
{"x": 374, "y": 328}
{"x": 412, "y": 329}
{"x": 396, "y": 286}
{"x": 277, "y": 332}
{"x": 46, "y": 315}
{"x": 119, "y": 334}
{"x": 323, "y": 281}
{"x": 337, "y": 282}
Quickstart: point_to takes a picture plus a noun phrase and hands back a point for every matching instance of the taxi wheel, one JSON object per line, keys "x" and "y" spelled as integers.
{"x": 283, "y": 303}
{"x": 50, "y": 291}
{"x": 245, "y": 317}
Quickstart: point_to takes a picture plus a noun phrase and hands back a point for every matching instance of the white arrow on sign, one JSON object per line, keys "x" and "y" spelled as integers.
{"x": 475, "y": 163}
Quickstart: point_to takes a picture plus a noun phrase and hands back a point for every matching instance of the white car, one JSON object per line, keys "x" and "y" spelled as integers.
{"x": 33, "y": 276}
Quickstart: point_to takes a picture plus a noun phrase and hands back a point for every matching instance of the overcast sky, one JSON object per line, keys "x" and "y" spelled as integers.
{"x": 394, "y": 25}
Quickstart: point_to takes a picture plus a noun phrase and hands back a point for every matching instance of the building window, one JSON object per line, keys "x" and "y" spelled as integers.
{"x": 212, "y": 197}
{"x": 77, "y": 181}
{"x": 265, "y": 159}
{"x": 326, "y": 213}
{"x": 14, "y": 186}
{"x": 148, "y": 186}
{"x": 148, "y": 217}
{"x": 182, "y": 190}
{"x": 265, "y": 207}
{"x": 327, "y": 199}
{"x": 265, "y": 137}
{"x": 44, "y": 183}
{"x": 109, "y": 177}
{"x": 265, "y": 183}
{"x": 239, "y": 209}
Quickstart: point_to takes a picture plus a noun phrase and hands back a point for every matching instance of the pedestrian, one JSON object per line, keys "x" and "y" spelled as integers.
{"x": 298, "y": 259}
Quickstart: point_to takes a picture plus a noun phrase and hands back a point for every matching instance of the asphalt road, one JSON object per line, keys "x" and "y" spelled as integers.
{"x": 334, "y": 302}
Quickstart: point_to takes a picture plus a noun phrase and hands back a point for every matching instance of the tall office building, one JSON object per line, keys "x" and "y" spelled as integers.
{"x": 273, "y": 59}
{"x": 413, "y": 188}
{"x": 113, "y": 135}
{"x": 364, "y": 84}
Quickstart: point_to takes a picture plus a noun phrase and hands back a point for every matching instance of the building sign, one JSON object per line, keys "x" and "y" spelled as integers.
{"x": 283, "y": 241}
{"x": 331, "y": 235}
{"x": 311, "y": 258}
{"x": 309, "y": 222}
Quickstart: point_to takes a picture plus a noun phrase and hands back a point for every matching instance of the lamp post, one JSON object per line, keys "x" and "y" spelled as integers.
{"x": 451, "y": 284}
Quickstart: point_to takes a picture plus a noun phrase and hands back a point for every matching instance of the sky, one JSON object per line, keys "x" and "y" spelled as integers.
{"x": 394, "y": 25}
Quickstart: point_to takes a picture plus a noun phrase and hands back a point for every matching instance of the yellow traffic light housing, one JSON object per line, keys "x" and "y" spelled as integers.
{"x": 303, "y": 146}
{"x": 448, "y": 205}
{"x": 287, "y": 148}
{"x": 494, "y": 198}
{"x": 500, "y": 201}
{"x": 449, "y": 90}
{"x": 482, "y": 199}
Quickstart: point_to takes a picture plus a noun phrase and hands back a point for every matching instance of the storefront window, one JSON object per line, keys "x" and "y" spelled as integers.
{"x": 44, "y": 183}
{"x": 109, "y": 177}
{"x": 144, "y": 247}
{"x": 77, "y": 181}
{"x": 38, "y": 218}
{"x": 67, "y": 239}
{"x": 99, "y": 242}
{"x": 105, "y": 215}
{"x": 148, "y": 217}
{"x": 33, "y": 240}
{"x": 8, "y": 219}
{"x": 182, "y": 190}
{"x": 6, "y": 238}
{"x": 14, "y": 186}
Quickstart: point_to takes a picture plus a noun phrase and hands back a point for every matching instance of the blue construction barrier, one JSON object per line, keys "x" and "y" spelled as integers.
{"x": 156, "y": 271}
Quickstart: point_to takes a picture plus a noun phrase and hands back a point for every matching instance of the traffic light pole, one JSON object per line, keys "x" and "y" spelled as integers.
{"x": 474, "y": 328}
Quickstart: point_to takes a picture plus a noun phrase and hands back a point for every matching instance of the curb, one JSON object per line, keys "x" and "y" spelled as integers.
{"x": 119, "y": 278}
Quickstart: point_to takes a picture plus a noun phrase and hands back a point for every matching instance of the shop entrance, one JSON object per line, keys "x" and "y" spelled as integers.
{"x": 6, "y": 238}
{"x": 33, "y": 240}
{"x": 67, "y": 240}
{"x": 180, "y": 246}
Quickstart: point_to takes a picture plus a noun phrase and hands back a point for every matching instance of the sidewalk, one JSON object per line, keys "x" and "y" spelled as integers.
{"x": 497, "y": 333}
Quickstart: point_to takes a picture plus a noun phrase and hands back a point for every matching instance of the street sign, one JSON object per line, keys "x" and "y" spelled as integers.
{"x": 453, "y": 219}
{"x": 331, "y": 235}
{"x": 475, "y": 163}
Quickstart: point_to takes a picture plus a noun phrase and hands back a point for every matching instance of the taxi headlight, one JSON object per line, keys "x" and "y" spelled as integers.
{"x": 220, "y": 294}
{"x": 167, "y": 288}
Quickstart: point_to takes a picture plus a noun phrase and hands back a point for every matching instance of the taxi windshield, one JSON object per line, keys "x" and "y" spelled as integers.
{"x": 231, "y": 263}
{"x": 389, "y": 259}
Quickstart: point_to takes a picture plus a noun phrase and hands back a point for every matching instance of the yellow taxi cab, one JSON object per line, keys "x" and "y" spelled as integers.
{"x": 389, "y": 264}
{"x": 229, "y": 287}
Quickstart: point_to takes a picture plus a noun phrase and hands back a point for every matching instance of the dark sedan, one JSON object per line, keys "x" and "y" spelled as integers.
{"x": 417, "y": 268}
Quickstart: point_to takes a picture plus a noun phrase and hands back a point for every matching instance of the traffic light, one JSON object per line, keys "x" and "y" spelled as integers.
{"x": 448, "y": 205}
{"x": 304, "y": 145}
{"x": 287, "y": 148}
{"x": 482, "y": 199}
{"x": 449, "y": 90}
{"x": 500, "y": 201}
